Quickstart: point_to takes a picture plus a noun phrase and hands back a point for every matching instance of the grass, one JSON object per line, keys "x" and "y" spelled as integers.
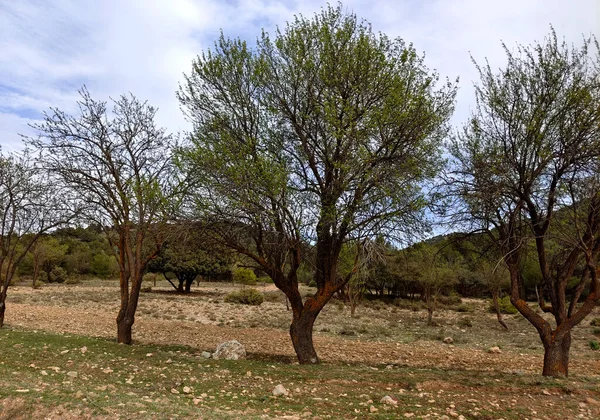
{"x": 148, "y": 381}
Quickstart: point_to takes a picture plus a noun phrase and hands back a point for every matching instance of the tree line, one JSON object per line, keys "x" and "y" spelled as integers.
{"x": 317, "y": 141}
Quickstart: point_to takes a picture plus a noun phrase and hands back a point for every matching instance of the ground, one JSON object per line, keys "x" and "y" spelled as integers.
{"x": 385, "y": 351}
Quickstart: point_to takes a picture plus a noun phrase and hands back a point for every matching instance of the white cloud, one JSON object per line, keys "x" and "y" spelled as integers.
{"x": 49, "y": 49}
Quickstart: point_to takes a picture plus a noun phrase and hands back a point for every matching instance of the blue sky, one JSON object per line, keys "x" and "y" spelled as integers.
{"x": 48, "y": 49}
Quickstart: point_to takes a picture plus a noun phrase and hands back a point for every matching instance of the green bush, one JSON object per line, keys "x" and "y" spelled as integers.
{"x": 244, "y": 276}
{"x": 504, "y": 305}
{"x": 450, "y": 300}
{"x": 58, "y": 275}
{"x": 245, "y": 297}
{"x": 465, "y": 322}
{"x": 264, "y": 279}
{"x": 72, "y": 280}
{"x": 464, "y": 308}
{"x": 312, "y": 283}
{"x": 594, "y": 345}
{"x": 595, "y": 322}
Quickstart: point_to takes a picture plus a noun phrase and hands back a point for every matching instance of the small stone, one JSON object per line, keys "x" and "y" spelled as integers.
{"x": 409, "y": 415}
{"x": 187, "y": 390}
{"x": 196, "y": 401}
{"x": 448, "y": 340}
{"x": 494, "y": 350}
{"x": 44, "y": 373}
{"x": 280, "y": 390}
{"x": 22, "y": 391}
{"x": 372, "y": 409}
{"x": 107, "y": 370}
{"x": 206, "y": 354}
{"x": 64, "y": 352}
{"x": 174, "y": 391}
{"x": 546, "y": 392}
{"x": 83, "y": 349}
{"x": 591, "y": 401}
{"x": 389, "y": 400}
{"x": 72, "y": 374}
{"x": 306, "y": 414}
{"x": 79, "y": 394}
{"x": 444, "y": 417}
{"x": 149, "y": 354}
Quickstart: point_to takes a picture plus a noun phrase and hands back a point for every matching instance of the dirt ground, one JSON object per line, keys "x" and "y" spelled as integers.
{"x": 382, "y": 334}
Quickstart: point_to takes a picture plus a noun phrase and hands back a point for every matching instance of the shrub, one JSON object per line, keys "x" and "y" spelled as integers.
{"x": 450, "y": 300}
{"x": 147, "y": 289}
{"x": 58, "y": 275}
{"x": 504, "y": 305}
{"x": 465, "y": 322}
{"x": 72, "y": 280}
{"x": 265, "y": 279}
{"x": 245, "y": 297}
{"x": 312, "y": 283}
{"x": 594, "y": 345}
{"x": 244, "y": 276}
{"x": 464, "y": 308}
{"x": 595, "y": 322}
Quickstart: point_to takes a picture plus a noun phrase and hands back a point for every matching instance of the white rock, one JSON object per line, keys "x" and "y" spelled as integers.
{"x": 372, "y": 409}
{"x": 280, "y": 390}
{"x": 206, "y": 354}
{"x": 495, "y": 350}
{"x": 230, "y": 350}
{"x": 187, "y": 390}
{"x": 72, "y": 374}
{"x": 448, "y": 340}
{"x": 388, "y": 400}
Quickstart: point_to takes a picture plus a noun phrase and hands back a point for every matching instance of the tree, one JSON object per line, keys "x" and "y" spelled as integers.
{"x": 495, "y": 277}
{"x": 121, "y": 170}
{"x": 527, "y": 171}
{"x": 432, "y": 273}
{"x": 45, "y": 254}
{"x": 29, "y": 207}
{"x": 189, "y": 255}
{"x": 321, "y": 136}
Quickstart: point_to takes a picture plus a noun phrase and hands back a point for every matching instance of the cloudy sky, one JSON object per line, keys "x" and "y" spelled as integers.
{"x": 48, "y": 49}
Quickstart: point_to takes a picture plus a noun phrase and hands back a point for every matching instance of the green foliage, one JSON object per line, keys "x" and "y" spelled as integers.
{"x": 245, "y": 296}
{"x": 595, "y": 322}
{"x": 504, "y": 306}
{"x": 465, "y": 322}
{"x": 58, "y": 275}
{"x": 594, "y": 345}
{"x": 244, "y": 276}
{"x": 104, "y": 266}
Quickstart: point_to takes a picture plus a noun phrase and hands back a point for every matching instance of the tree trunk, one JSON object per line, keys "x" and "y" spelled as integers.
{"x": 124, "y": 327}
{"x": 2, "y": 311}
{"x": 497, "y": 309}
{"x": 180, "y": 286}
{"x": 188, "y": 284}
{"x": 556, "y": 357}
{"x": 301, "y": 332}
{"x": 430, "y": 316}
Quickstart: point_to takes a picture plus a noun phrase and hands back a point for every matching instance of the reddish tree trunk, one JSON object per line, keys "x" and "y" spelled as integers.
{"x": 556, "y": 357}
{"x": 301, "y": 332}
{"x": 124, "y": 327}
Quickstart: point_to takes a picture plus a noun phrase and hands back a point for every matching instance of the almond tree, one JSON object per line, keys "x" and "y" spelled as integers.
{"x": 120, "y": 168}
{"x": 527, "y": 168}
{"x": 323, "y": 135}
{"x": 30, "y": 206}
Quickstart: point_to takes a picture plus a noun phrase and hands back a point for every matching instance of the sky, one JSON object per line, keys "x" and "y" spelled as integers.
{"x": 49, "y": 49}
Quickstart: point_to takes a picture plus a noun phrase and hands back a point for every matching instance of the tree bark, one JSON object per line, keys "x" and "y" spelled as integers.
{"x": 2, "y": 311}
{"x": 301, "y": 332}
{"x": 124, "y": 327}
{"x": 430, "y": 316}
{"x": 497, "y": 309}
{"x": 188, "y": 284}
{"x": 556, "y": 357}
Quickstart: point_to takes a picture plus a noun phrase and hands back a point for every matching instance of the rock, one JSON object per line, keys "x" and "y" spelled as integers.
{"x": 448, "y": 340}
{"x": 280, "y": 390}
{"x": 444, "y": 417}
{"x": 206, "y": 354}
{"x": 72, "y": 374}
{"x": 372, "y": 409}
{"x": 196, "y": 401}
{"x": 83, "y": 349}
{"x": 494, "y": 350}
{"x": 44, "y": 373}
{"x": 230, "y": 350}
{"x": 187, "y": 390}
{"x": 591, "y": 401}
{"x": 546, "y": 392}
{"x": 389, "y": 400}
{"x": 174, "y": 391}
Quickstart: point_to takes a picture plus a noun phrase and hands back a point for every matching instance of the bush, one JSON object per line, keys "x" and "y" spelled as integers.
{"x": 244, "y": 276}
{"x": 264, "y": 279}
{"x": 312, "y": 283}
{"x": 594, "y": 345}
{"x": 72, "y": 280}
{"x": 465, "y": 322}
{"x": 245, "y": 297}
{"x": 595, "y": 322}
{"x": 450, "y": 300}
{"x": 147, "y": 289}
{"x": 58, "y": 275}
{"x": 504, "y": 305}
{"x": 464, "y": 308}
